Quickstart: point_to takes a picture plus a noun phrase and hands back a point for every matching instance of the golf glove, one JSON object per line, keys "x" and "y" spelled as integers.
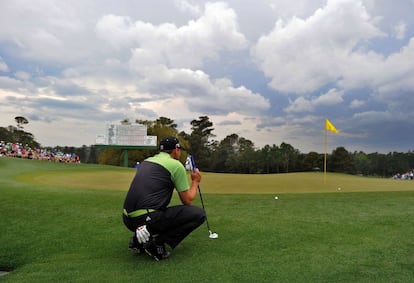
{"x": 142, "y": 234}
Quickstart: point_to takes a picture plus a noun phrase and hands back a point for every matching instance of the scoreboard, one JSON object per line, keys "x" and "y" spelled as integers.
{"x": 126, "y": 134}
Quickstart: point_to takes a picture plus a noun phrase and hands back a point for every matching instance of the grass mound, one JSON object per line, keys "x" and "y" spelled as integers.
{"x": 62, "y": 223}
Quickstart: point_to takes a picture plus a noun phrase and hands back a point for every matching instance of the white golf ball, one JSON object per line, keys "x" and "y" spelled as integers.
{"x": 339, "y": 189}
{"x": 276, "y": 197}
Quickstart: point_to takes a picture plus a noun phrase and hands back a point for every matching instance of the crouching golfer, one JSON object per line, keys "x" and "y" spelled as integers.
{"x": 146, "y": 211}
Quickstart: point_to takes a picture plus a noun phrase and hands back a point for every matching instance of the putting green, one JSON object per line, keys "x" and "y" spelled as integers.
{"x": 119, "y": 180}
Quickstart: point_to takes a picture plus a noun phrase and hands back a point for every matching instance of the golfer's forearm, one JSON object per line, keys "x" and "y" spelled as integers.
{"x": 189, "y": 195}
{"x": 194, "y": 187}
{"x": 193, "y": 190}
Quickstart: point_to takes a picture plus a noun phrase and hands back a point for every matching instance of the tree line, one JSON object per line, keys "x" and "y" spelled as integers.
{"x": 235, "y": 154}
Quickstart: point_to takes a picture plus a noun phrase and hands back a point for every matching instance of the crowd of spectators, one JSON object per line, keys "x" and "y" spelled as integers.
{"x": 405, "y": 176}
{"x": 24, "y": 151}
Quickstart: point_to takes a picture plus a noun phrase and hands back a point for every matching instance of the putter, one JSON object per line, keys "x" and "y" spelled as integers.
{"x": 211, "y": 234}
{"x": 193, "y": 167}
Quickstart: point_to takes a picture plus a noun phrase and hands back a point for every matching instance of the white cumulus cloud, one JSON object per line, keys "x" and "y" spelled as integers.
{"x": 301, "y": 55}
{"x": 187, "y": 46}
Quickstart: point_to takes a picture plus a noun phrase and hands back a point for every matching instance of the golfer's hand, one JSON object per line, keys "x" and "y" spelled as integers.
{"x": 196, "y": 176}
{"x": 142, "y": 234}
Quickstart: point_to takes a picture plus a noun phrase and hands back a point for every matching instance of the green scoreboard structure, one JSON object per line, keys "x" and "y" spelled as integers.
{"x": 126, "y": 137}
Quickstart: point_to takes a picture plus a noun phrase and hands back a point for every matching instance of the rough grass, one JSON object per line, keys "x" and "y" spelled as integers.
{"x": 62, "y": 223}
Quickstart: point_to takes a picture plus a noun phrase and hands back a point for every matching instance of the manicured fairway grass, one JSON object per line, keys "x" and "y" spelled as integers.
{"x": 62, "y": 223}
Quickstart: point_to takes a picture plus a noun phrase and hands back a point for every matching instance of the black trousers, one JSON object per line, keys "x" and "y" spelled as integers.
{"x": 169, "y": 226}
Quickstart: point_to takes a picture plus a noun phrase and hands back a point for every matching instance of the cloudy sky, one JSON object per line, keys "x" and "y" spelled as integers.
{"x": 268, "y": 70}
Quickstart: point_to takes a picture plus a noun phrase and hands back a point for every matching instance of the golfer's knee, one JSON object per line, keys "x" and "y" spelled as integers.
{"x": 195, "y": 214}
{"x": 200, "y": 215}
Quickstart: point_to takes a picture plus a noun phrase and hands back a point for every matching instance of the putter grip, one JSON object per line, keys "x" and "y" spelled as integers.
{"x": 193, "y": 166}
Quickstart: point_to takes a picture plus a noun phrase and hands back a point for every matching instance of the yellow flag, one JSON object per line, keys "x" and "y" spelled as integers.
{"x": 330, "y": 127}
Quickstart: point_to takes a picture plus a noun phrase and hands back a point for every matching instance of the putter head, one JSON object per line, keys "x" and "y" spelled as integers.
{"x": 213, "y": 235}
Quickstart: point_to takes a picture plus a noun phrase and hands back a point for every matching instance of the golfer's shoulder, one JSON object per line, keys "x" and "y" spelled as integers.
{"x": 165, "y": 160}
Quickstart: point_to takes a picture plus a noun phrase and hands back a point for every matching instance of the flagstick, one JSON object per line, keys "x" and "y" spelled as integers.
{"x": 324, "y": 163}
{"x": 328, "y": 126}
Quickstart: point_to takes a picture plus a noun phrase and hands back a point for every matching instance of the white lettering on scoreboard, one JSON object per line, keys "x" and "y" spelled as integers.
{"x": 126, "y": 134}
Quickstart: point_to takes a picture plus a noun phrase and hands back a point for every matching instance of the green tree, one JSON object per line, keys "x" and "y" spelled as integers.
{"x": 288, "y": 157}
{"x": 362, "y": 163}
{"x": 247, "y": 157}
{"x": 234, "y": 154}
{"x": 377, "y": 164}
{"x": 125, "y": 122}
{"x": 268, "y": 158}
{"x": 14, "y": 134}
{"x": 111, "y": 156}
{"x": 199, "y": 141}
{"x": 20, "y": 120}
{"x": 397, "y": 162}
{"x": 161, "y": 127}
{"x": 313, "y": 161}
{"x": 223, "y": 157}
{"x": 341, "y": 161}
